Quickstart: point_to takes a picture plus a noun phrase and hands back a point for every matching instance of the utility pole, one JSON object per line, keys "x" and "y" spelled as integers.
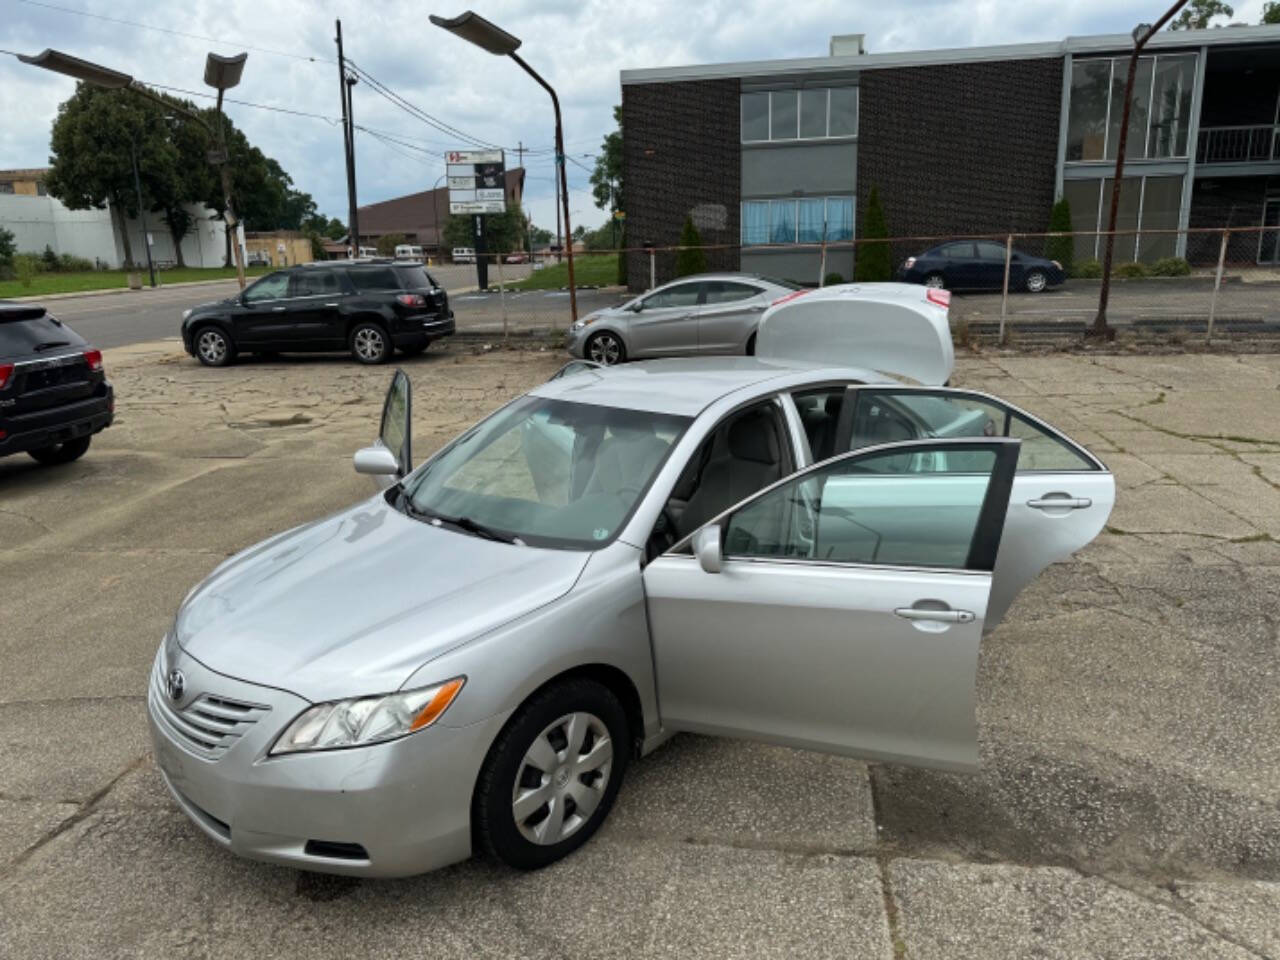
{"x": 348, "y": 148}
{"x": 559, "y": 245}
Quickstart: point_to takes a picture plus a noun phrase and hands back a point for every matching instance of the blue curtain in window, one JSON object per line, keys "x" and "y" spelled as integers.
{"x": 810, "y": 221}
{"x": 782, "y": 221}
{"x": 839, "y": 219}
{"x": 755, "y": 221}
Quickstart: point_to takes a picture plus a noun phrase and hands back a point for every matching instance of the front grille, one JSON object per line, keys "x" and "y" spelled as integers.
{"x": 209, "y": 725}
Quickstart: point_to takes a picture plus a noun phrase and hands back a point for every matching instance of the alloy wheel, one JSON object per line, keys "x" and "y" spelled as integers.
{"x": 369, "y": 344}
{"x": 1036, "y": 282}
{"x": 212, "y": 347}
{"x": 934, "y": 280}
{"x": 605, "y": 349}
{"x": 562, "y": 778}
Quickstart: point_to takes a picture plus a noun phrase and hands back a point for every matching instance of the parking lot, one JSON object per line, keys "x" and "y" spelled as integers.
{"x": 1130, "y": 729}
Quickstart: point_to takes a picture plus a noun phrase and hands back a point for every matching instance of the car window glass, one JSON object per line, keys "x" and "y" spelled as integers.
{"x": 415, "y": 278}
{"x": 820, "y": 412}
{"x": 915, "y": 509}
{"x": 682, "y": 295}
{"x": 1041, "y": 450}
{"x": 991, "y": 251}
{"x": 374, "y": 278}
{"x": 723, "y": 291}
{"x": 274, "y": 286}
{"x": 315, "y": 283}
{"x": 958, "y": 250}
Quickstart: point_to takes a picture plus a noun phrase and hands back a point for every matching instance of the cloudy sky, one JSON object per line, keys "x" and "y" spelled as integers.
{"x": 578, "y": 45}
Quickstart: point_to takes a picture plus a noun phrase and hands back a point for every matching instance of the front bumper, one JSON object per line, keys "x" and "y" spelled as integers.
{"x": 44, "y": 428}
{"x": 387, "y": 810}
{"x": 575, "y": 342}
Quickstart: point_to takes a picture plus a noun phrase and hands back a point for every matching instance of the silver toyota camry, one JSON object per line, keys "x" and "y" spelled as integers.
{"x": 710, "y": 313}
{"x": 783, "y": 548}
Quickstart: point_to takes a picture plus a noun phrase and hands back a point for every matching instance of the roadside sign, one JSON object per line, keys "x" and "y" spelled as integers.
{"x": 619, "y": 215}
{"x": 477, "y": 181}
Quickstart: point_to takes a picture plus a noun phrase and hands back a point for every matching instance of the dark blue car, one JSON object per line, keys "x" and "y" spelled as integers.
{"x": 979, "y": 265}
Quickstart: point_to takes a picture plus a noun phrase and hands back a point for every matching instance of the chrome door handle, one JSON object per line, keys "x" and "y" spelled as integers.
{"x": 330, "y": 304}
{"x": 1060, "y": 503}
{"x": 940, "y": 616}
{"x": 279, "y": 309}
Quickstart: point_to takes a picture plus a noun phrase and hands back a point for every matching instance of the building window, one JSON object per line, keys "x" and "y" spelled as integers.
{"x": 810, "y": 113}
{"x": 40, "y": 189}
{"x": 1159, "y": 112}
{"x": 797, "y": 221}
{"x": 1146, "y": 204}
{"x": 6, "y": 186}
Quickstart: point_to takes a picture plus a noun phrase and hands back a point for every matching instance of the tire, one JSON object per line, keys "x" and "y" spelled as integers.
{"x": 549, "y": 824}
{"x": 1036, "y": 281}
{"x": 751, "y": 345}
{"x": 213, "y": 347}
{"x": 605, "y": 347}
{"x": 61, "y": 452}
{"x": 935, "y": 280}
{"x": 369, "y": 343}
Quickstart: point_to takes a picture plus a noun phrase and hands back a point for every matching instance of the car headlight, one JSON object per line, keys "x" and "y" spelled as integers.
{"x": 365, "y": 720}
{"x": 186, "y": 313}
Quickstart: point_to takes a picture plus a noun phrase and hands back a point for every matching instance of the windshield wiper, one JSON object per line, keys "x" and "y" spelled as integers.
{"x": 480, "y": 530}
{"x": 50, "y": 344}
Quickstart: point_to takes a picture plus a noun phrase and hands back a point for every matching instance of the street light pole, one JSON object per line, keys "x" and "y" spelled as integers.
{"x": 476, "y": 29}
{"x": 435, "y": 206}
{"x": 1141, "y": 34}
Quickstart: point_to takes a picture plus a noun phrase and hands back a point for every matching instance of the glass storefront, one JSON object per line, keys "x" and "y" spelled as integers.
{"x": 1159, "y": 113}
{"x": 1146, "y": 204}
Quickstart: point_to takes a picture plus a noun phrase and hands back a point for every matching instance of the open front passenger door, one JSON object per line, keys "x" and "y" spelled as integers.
{"x": 841, "y": 608}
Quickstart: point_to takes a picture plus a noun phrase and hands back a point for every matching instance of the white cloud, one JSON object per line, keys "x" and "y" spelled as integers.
{"x": 578, "y": 46}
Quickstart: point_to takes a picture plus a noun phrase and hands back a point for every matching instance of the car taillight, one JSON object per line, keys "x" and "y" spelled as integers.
{"x": 6, "y": 374}
{"x": 940, "y": 297}
{"x": 789, "y": 296}
{"x": 94, "y": 359}
{"x": 412, "y": 299}
{"x": 908, "y": 263}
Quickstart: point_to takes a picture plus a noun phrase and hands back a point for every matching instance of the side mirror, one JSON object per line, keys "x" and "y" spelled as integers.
{"x": 636, "y": 306}
{"x": 376, "y": 461}
{"x": 706, "y": 547}
{"x": 394, "y": 432}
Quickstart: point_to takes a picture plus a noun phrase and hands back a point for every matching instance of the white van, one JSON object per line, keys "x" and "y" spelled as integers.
{"x": 464, "y": 255}
{"x": 408, "y": 251}
{"x": 368, "y": 252}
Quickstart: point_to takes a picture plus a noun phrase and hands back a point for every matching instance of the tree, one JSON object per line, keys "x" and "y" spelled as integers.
{"x": 1062, "y": 249}
{"x": 388, "y": 242}
{"x": 1270, "y": 12}
{"x": 539, "y": 236}
{"x": 8, "y": 246}
{"x": 503, "y": 231}
{"x": 873, "y": 261}
{"x": 1197, "y": 14}
{"x": 606, "y": 178}
{"x": 692, "y": 258}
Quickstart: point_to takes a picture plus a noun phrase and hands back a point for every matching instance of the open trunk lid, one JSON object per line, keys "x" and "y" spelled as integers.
{"x": 897, "y": 328}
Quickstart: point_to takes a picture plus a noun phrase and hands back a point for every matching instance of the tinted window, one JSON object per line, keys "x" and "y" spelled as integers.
{"x": 784, "y": 122}
{"x": 415, "y": 278}
{"x": 683, "y": 295}
{"x": 813, "y": 113}
{"x": 722, "y": 291}
{"x": 316, "y": 283}
{"x": 820, "y": 412}
{"x": 755, "y": 116}
{"x": 374, "y": 278}
{"x": 844, "y": 112}
{"x": 991, "y": 251}
{"x": 957, "y": 250}
{"x": 274, "y": 286}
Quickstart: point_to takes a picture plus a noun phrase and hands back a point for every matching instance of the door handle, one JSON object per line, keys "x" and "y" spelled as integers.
{"x": 938, "y": 616}
{"x": 1060, "y": 503}
{"x": 330, "y": 304}
{"x": 279, "y": 309}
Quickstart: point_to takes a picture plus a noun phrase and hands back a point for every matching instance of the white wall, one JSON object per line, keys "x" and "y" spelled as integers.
{"x": 38, "y": 222}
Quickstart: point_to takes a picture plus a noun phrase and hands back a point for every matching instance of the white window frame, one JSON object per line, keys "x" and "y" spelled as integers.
{"x": 857, "y": 112}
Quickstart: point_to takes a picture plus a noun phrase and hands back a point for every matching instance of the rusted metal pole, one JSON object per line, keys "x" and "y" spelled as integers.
{"x": 1004, "y": 300}
{"x": 1217, "y": 284}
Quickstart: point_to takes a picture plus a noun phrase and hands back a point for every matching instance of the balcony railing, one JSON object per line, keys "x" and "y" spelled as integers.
{"x": 1257, "y": 144}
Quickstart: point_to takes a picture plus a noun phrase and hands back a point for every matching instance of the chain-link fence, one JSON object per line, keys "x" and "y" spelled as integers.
{"x": 1197, "y": 282}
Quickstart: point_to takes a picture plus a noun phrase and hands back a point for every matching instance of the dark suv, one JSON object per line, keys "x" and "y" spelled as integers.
{"x": 54, "y": 395}
{"x": 366, "y": 306}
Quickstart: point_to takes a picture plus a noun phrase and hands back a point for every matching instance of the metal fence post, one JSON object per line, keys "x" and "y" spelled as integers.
{"x": 653, "y": 270}
{"x": 1004, "y": 299}
{"x": 502, "y": 295}
{"x": 1217, "y": 285}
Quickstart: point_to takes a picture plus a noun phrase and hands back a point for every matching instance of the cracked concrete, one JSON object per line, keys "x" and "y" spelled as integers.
{"x": 1129, "y": 729}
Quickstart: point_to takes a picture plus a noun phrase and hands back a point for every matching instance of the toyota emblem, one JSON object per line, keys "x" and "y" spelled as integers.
{"x": 176, "y": 685}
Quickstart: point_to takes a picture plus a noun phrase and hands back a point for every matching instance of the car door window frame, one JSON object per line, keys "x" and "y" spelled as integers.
{"x": 697, "y": 285}
{"x": 707, "y": 292}
{"x": 288, "y": 285}
{"x": 845, "y": 423}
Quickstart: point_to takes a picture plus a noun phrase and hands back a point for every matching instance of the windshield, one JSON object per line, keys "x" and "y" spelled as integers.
{"x": 551, "y": 472}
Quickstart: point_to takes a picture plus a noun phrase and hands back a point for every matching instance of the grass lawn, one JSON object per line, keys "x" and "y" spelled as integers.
{"x": 589, "y": 270}
{"x": 43, "y": 284}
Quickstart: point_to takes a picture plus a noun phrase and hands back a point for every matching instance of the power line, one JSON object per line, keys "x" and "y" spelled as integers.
{"x": 175, "y": 33}
{"x": 242, "y": 103}
{"x": 386, "y": 92}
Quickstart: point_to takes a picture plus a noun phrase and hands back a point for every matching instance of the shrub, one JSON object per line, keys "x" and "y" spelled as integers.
{"x": 1171, "y": 267}
{"x": 692, "y": 258}
{"x": 8, "y": 247}
{"x": 49, "y": 259}
{"x": 1131, "y": 271}
{"x": 874, "y": 262}
{"x": 26, "y": 266}
{"x": 1090, "y": 269}
{"x": 831, "y": 279}
{"x": 70, "y": 264}
{"x": 1062, "y": 249}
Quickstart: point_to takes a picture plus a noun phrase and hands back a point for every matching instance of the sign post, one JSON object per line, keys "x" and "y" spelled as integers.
{"x": 477, "y": 185}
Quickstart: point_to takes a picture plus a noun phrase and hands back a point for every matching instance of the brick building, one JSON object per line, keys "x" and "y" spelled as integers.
{"x": 771, "y": 157}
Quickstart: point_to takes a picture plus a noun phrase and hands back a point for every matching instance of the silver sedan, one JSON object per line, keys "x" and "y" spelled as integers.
{"x": 770, "y": 548}
{"x": 710, "y": 313}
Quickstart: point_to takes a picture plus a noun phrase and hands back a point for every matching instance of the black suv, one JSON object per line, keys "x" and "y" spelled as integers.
{"x": 366, "y": 306}
{"x": 53, "y": 394}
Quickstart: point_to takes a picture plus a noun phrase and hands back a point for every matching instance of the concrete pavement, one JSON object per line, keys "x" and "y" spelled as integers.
{"x": 1130, "y": 732}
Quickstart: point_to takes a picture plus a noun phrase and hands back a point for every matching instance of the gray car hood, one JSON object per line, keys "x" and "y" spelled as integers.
{"x": 352, "y": 605}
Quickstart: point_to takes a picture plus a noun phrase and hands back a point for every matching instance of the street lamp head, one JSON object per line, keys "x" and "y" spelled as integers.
{"x": 64, "y": 63}
{"x": 1140, "y": 31}
{"x": 223, "y": 73}
{"x": 476, "y": 29}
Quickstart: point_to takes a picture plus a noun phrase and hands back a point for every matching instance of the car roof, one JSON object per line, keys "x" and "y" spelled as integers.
{"x": 686, "y": 387}
{"x": 718, "y": 275}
